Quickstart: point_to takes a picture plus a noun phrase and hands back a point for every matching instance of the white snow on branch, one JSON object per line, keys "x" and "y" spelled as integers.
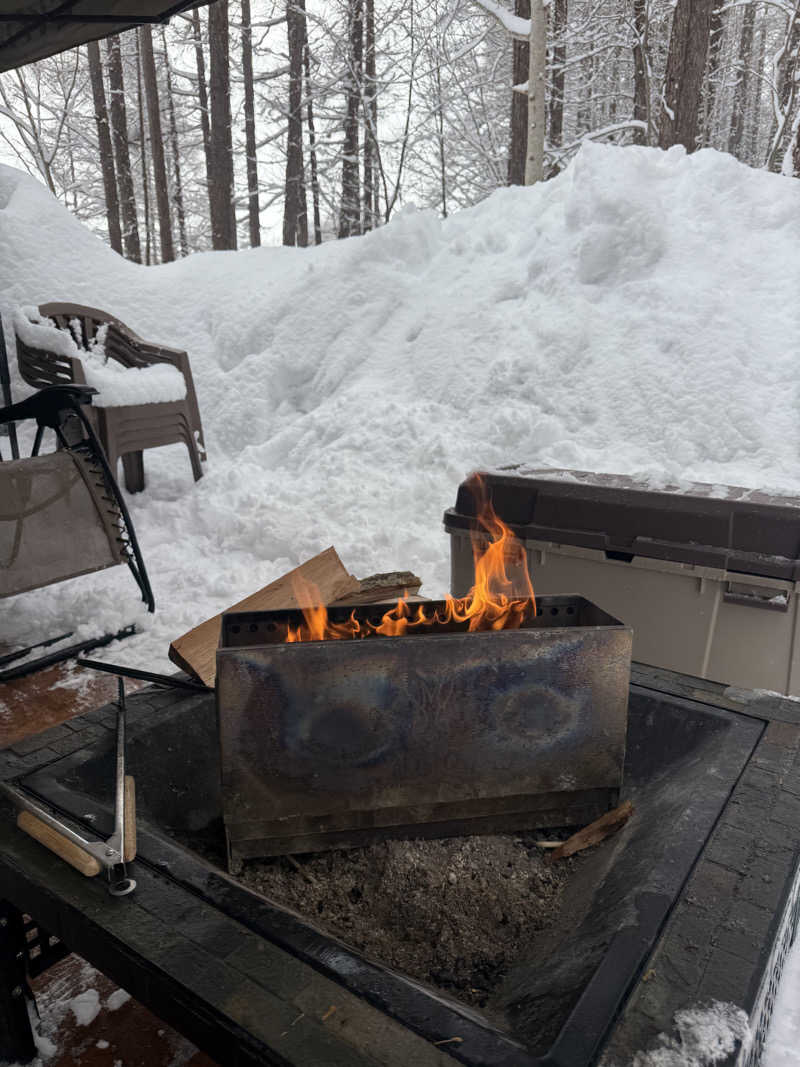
{"x": 517, "y": 27}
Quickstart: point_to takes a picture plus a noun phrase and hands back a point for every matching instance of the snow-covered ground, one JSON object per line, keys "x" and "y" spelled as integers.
{"x": 639, "y": 314}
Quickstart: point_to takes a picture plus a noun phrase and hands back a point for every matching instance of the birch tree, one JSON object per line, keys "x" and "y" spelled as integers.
{"x": 534, "y": 31}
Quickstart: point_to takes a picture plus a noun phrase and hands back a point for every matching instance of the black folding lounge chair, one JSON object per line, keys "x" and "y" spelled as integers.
{"x": 61, "y": 515}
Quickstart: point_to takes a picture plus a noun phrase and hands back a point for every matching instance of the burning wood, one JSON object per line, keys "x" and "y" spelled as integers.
{"x": 491, "y": 604}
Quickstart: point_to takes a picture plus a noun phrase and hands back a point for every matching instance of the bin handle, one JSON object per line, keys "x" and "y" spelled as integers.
{"x": 779, "y": 602}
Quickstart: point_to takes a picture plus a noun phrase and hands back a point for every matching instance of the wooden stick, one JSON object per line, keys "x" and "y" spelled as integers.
{"x": 129, "y": 846}
{"x": 595, "y": 832}
{"x": 62, "y": 847}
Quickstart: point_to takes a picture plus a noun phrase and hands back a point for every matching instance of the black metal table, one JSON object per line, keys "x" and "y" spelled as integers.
{"x": 191, "y": 945}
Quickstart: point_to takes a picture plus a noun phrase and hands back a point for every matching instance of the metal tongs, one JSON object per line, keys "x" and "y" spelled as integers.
{"x": 87, "y": 855}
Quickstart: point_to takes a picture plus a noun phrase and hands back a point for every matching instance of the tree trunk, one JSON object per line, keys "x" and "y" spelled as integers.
{"x": 518, "y": 147}
{"x": 312, "y": 138}
{"x": 440, "y": 138}
{"x": 534, "y": 157}
{"x": 202, "y": 94}
{"x": 295, "y": 222}
{"x": 250, "y": 127}
{"x": 349, "y": 218}
{"x": 220, "y": 193}
{"x": 180, "y": 210}
{"x": 714, "y": 47}
{"x": 148, "y": 216}
{"x": 104, "y": 144}
{"x": 556, "y": 108}
{"x": 741, "y": 92}
{"x": 156, "y": 144}
{"x": 683, "y": 80}
{"x": 370, "y": 215}
{"x": 641, "y": 72}
{"x": 122, "y": 156}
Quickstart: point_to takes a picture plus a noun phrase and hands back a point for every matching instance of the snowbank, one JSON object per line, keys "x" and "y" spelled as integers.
{"x": 638, "y": 315}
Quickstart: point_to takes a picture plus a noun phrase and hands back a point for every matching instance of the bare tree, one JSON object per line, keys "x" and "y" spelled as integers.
{"x": 122, "y": 157}
{"x": 518, "y": 146}
{"x": 741, "y": 93}
{"x": 202, "y": 92}
{"x": 350, "y": 215}
{"x": 295, "y": 220}
{"x": 104, "y": 144}
{"x": 370, "y": 102}
{"x": 156, "y": 144}
{"x": 180, "y": 209}
{"x": 558, "y": 76}
{"x": 149, "y": 235}
{"x": 683, "y": 80}
{"x": 220, "y": 192}
{"x": 715, "y": 36}
{"x": 312, "y": 137}
{"x": 253, "y": 215}
{"x": 641, "y": 72}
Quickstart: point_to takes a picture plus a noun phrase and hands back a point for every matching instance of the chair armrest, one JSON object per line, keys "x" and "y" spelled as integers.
{"x": 130, "y": 351}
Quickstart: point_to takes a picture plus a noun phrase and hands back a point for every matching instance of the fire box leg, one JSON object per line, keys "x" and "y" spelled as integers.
{"x": 16, "y": 1036}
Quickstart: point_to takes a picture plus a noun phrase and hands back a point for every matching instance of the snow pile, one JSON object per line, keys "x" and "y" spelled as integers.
{"x": 705, "y": 1036}
{"x": 116, "y": 385}
{"x": 636, "y": 315}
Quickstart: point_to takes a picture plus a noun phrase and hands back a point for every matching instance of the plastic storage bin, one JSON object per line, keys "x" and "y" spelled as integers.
{"x": 708, "y": 576}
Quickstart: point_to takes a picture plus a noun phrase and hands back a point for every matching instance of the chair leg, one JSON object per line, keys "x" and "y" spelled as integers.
{"x": 133, "y": 468}
{"x": 194, "y": 456}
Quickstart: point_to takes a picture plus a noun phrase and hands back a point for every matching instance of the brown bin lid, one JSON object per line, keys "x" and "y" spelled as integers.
{"x": 744, "y": 531}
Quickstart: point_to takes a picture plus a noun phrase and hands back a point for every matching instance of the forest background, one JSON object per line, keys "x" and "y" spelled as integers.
{"x": 305, "y": 120}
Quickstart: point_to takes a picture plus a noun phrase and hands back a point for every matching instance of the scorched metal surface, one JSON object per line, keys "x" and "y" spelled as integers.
{"x": 330, "y": 743}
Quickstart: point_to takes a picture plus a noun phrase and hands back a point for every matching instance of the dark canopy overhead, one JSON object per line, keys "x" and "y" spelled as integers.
{"x": 39, "y": 28}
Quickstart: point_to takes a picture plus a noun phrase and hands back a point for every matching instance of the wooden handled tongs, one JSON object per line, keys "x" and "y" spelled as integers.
{"x": 90, "y": 856}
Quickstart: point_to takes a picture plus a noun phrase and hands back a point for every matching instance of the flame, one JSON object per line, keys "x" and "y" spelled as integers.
{"x": 491, "y": 604}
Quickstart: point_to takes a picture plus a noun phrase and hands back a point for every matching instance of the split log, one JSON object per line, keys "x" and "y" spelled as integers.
{"x": 196, "y": 651}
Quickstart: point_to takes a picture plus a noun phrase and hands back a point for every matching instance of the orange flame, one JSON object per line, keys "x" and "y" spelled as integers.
{"x": 491, "y": 604}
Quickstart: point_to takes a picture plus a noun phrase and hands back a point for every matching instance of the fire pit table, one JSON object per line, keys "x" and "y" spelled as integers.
{"x": 695, "y": 900}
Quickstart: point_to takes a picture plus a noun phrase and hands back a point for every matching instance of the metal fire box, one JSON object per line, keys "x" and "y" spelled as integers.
{"x": 329, "y": 744}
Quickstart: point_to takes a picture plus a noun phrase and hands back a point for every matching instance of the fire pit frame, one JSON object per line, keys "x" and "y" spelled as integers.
{"x": 182, "y": 917}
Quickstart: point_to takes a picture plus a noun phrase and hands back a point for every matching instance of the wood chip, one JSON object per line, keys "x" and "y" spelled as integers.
{"x": 594, "y": 833}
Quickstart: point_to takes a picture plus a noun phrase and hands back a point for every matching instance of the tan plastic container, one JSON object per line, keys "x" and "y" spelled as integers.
{"x": 730, "y": 615}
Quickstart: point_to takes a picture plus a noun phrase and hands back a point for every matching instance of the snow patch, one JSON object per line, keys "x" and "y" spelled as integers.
{"x": 85, "y": 1007}
{"x": 117, "y": 999}
{"x": 705, "y": 1036}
